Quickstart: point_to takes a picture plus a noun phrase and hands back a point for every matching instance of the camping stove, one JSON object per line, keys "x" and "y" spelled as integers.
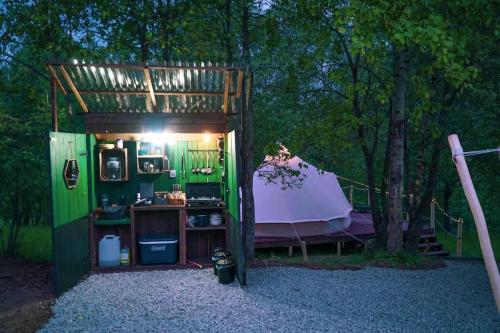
{"x": 203, "y": 194}
{"x": 203, "y": 201}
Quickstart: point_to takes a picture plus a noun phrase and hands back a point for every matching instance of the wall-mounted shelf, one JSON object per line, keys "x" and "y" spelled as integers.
{"x": 207, "y": 228}
{"x": 151, "y": 158}
{"x": 113, "y": 164}
{"x": 124, "y": 221}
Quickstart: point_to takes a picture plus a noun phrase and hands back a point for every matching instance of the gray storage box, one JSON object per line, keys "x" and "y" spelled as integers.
{"x": 158, "y": 249}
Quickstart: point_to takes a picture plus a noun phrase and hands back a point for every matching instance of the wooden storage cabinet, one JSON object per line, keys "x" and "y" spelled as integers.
{"x": 195, "y": 244}
{"x": 201, "y": 241}
{"x": 156, "y": 220}
{"x": 100, "y": 228}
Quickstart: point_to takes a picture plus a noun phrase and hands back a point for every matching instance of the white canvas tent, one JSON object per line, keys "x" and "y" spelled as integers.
{"x": 317, "y": 207}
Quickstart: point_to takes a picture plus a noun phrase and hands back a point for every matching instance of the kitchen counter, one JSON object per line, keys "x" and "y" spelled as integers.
{"x": 157, "y": 207}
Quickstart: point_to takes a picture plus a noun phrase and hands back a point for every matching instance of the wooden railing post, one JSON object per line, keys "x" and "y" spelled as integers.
{"x": 433, "y": 215}
{"x": 460, "y": 223}
{"x": 351, "y": 190}
{"x": 368, "y": 196}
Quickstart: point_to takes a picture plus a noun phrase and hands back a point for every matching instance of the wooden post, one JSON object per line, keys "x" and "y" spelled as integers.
{"x": 303, "y": 246}
{"x": 53, "y": 104}
{"x": 368, "y": 197}
{"x": 477, "y": 213}
{"x": 433, "y": 216}
{"x": 290, "y": 251}
{"x": 460, "y": 223}
{"x": 339, "y": 248}
{"x": 351, "y": 190}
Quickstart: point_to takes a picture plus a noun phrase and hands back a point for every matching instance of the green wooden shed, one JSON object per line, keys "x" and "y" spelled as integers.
{"x": 141, "y": 127}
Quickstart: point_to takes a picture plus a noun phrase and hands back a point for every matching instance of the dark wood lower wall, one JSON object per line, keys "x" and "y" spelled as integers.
{"x": 71, "y": 255}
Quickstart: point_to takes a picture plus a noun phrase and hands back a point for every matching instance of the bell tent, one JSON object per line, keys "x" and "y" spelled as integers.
{"x": 317, "y": 206}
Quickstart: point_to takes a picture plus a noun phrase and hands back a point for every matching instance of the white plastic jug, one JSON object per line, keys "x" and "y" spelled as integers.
{"x": 109, "y": 251}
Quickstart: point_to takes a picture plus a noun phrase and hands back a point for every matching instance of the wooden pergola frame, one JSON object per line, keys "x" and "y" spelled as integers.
{"x": 150, "y": 93}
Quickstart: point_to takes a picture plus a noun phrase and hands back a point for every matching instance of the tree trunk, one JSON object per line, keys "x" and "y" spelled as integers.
{"x": 227, "y": 32}
{"x": 396, "y": 166}
{"x": 424, "y": 189}
{"x": 165, "y": 31}
{"x": 417, "y": 218}
{"x": 247, "y": 143}
{"x": 381, "y": 233}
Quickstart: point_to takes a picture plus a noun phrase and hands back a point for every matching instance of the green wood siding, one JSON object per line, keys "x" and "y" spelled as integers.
{"x": 91, "y": 141}
{"x": 70, "y": 210}
{"x": 233, "y": 202}
{"x": 161, "y": 182}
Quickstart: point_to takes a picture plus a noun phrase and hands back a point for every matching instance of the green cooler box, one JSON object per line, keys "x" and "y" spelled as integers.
{"x": 158, "y": 249}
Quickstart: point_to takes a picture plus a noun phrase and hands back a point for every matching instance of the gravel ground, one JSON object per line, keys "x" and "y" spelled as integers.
{"x": 452, "y": 299}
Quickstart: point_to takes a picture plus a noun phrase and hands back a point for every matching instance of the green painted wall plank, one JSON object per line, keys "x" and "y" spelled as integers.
{"x": 234, "y": 206}
{"x": 70, "y": 209}
{"x": 161, "y": 182}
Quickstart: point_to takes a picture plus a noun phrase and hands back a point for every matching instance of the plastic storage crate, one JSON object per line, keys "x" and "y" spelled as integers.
{"x": 158, "y": 249}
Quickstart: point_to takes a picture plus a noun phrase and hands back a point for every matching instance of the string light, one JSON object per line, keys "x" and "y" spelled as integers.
{"x": 377, "y": 190}
{"x": 459, "y": 220}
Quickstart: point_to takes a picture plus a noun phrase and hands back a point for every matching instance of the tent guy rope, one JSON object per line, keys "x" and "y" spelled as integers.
{"x": 477, "y": 152}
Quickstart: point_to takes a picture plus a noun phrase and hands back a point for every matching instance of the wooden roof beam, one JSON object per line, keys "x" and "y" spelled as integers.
{"x": 56, "y": 78}
{"x": 157, "y": 93}
{"x": 240, "y": 80}
{"x": 74, "y": 90}
{"x": 152, "y": 67}
{"x": 150, "y": 88}
{"x": 227, "y": 82}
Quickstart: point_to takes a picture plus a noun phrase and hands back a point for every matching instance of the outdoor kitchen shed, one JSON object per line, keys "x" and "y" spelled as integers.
{"x": 149, "y": 133}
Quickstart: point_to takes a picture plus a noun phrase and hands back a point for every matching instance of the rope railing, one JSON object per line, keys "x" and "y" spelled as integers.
{"x": 434, "y": 204}
{"x": 444, "y": 212}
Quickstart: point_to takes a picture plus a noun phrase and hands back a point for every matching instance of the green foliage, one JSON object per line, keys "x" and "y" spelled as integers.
{"x": 35, "y": 243}
{"x": 470, "y": 242}
{"x": 302, "y": 53}
{"x": 325, "y": 257}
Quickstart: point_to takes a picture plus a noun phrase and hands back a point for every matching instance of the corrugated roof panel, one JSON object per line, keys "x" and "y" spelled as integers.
{"x": 90, "y": 79}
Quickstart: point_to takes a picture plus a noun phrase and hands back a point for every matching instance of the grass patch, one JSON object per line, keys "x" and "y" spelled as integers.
{"x": 470, "y": 243}
{"x": 325, "y": 257}
{"x": 35, "y": 243}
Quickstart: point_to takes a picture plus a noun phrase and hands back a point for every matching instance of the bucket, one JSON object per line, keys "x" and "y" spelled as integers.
{"x": 217, "y": 255}
{"x": 225, "y": 270}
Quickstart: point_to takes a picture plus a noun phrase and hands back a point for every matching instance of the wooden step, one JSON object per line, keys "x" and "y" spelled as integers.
{"x": 441, "y": 253}
{"x": 427, "y": 238}
{"x": 429, "y": 245}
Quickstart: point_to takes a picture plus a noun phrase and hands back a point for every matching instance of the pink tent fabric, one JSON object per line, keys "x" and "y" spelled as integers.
{"x": 315, "y": 208}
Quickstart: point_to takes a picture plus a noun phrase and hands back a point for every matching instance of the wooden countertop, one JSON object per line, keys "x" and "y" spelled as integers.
{"x": 158, "y": 207}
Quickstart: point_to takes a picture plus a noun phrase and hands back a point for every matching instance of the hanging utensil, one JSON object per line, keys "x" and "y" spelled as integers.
{"x": 183, "y": 167}
{"x": 214, "y": 165}
{"x": 203, "y": 168}
{"x": 209, "y": 169}
{"x": 193, "y": 170}
{"x": 198, "y": 170}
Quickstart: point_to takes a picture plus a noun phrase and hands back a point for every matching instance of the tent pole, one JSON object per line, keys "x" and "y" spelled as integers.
{"x": 477, "y": 213}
